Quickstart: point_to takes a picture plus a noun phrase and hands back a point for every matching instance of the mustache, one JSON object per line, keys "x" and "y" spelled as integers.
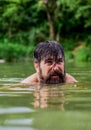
{"x": 55, "y": 73}
{"x": 61, "y": 77}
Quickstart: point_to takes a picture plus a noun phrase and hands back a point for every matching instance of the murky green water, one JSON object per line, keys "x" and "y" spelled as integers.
{"x": 46, "y": 107}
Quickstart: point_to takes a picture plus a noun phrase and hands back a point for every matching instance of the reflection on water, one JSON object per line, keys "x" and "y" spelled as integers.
{"x": 49, "y": 96}
{"x": 46, "y": 107}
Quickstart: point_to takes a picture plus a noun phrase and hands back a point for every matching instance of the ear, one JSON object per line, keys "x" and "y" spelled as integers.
{"x": 36, "y": 66}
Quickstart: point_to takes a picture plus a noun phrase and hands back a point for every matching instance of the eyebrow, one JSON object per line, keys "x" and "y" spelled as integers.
{"x": 52, "y": 59}
{"x": 49, "y": 59}
{"x": 60, "y": 58}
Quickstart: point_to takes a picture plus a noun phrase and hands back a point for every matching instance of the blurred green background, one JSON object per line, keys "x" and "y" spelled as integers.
{"x": 25, "y": 23}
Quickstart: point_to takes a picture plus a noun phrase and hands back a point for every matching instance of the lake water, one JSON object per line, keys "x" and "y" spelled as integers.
{"x": 45, "y": 107}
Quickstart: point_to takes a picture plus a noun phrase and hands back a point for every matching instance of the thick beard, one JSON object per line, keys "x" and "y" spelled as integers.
{"x": 50, "y": 80}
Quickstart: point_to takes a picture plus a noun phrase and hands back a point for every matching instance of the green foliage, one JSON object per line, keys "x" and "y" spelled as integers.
{"x": 14, "y": 51}
{"x": 68, "y": 55}
{"x": 27, "y": 22}
{"x": 69, "y": 44}
{"x": 83, "y": 54}
{"x": 88, "y": 41}
{"x": 21, "y": 16}
{"x": 35, "y": 35}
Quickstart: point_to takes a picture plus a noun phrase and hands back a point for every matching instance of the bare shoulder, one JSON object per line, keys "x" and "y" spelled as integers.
{"x": 70, "y": 78}
{"x": 31, "y": 79}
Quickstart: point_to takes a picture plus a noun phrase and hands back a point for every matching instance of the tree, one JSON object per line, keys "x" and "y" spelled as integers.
{"x": 23, "y": 19}
{"x": 51, "y": 7}
{"x": 66, "y": 15}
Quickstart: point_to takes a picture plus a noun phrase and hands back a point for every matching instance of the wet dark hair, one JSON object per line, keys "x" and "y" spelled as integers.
{"x": 48, "y": 48}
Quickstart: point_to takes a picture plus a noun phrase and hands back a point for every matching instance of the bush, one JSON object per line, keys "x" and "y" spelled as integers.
{"x": 68, "y": 55}
{"x": 69, "y": 44}
{"x": 83, "y": 54}
{"x": 14, "y": 51}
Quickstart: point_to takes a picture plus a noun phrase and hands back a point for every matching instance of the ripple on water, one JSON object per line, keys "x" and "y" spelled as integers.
{"x": 15, "y": 110}
{"x": 15, "y": 128}
{"x": 18, "y": 122}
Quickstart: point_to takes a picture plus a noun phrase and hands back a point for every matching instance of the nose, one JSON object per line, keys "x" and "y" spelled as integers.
{"x": 55, "y": 67}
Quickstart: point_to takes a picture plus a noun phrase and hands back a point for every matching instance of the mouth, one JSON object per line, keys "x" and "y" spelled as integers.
{"x": 54, "y": 76}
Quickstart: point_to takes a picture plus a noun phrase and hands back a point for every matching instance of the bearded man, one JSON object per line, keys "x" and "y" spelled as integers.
{"x": 49, "y": 63}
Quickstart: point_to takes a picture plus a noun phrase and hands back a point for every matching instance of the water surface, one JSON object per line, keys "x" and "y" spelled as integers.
{"x": 44, "y": 107}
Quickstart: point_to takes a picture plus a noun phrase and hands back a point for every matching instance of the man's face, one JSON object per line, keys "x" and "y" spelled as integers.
{"x": 51, "y": 70}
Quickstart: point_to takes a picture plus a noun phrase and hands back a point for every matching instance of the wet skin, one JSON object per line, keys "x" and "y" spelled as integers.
{"x": 50, "y": 70}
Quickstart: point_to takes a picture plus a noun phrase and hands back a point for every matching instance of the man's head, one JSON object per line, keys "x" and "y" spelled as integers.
{"x": 49, "y": 62}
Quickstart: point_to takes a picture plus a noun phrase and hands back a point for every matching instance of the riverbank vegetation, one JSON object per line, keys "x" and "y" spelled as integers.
{"x": 25, "y": 23}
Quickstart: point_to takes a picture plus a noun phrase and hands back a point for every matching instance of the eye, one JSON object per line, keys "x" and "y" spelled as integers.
{"x": 49, "y": 62}
{"x": 60, "y": 60}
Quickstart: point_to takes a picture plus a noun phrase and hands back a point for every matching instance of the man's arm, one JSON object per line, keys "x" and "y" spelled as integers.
{"x": 70, "y": 78}
{"x": 31, "y": 79}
